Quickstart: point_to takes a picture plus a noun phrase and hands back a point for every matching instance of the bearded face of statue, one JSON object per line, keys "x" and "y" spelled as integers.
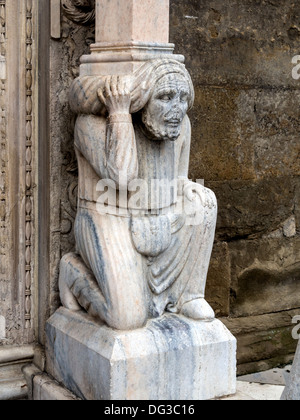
{"x": 167, "y": 107}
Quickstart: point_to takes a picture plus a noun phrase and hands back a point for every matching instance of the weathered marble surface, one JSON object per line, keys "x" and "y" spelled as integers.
{"x": 292, "y": 389}
{"x": 172, "y": 358}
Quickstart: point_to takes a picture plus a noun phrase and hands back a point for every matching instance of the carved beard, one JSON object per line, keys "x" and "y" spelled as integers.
{"x": 158, "y": 131}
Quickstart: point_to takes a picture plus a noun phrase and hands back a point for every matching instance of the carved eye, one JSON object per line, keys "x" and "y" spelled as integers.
{"x": 165, "y": 98}
{"x": 184, "y": 97}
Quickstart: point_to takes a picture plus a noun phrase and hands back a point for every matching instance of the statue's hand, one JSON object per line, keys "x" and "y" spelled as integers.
{"x": 198, "y": 201}
{"x": 207, "y": 197}
{"x": 115, "y": 95}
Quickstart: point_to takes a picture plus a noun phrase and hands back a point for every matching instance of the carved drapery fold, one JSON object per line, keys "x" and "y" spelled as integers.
{"x": 81, "y": 12}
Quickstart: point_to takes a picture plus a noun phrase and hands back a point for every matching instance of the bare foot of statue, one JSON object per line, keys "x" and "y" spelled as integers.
{"x": 198, "y": 309}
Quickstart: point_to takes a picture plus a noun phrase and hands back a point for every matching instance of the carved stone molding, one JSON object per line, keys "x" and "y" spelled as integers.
{"x": 3, "y": 120}
{"x": 18, "y": 192}
{"x": 28, "y": 167}
{"x": 3, "y": 163}
{"x": 81, "y": 12}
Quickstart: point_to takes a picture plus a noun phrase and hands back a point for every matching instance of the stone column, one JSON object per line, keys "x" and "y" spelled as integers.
{"x": 123, "y": 23}
{"x": 175, "y": 350}
{"x": 128, "y": 32}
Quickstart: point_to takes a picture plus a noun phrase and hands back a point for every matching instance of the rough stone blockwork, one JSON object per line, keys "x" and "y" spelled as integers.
{"x": 246, "y": 146}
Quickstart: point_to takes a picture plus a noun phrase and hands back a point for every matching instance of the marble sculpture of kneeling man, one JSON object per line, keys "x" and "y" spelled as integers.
{"x": 148, "y": 253}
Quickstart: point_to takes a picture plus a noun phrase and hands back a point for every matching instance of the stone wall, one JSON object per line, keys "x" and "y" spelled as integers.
{"x": 246, "y": 146}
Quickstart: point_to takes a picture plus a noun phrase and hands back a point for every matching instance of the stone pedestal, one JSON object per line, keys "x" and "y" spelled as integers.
{"x": 172, "y": 358}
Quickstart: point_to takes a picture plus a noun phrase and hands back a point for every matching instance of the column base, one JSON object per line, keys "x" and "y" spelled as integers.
{"x": 124, "y": 58}
{"x": 172, "y": 358}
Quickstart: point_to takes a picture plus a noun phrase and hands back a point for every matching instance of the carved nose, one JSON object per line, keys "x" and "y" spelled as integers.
{"x": 176, "y": 106}
{"x": 176, "y": 103}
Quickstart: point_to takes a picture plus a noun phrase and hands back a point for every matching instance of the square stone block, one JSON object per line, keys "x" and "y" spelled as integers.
{"x": 171, "y": 358}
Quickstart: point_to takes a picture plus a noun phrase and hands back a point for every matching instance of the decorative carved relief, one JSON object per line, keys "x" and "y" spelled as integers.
{"x": 72, "y": 46}
{"x": 3, "y": 109}
{"x": 79, "y": 11}
{"x": 3, "y": 152}
{"x": 17, "y": 167}
{"x": 28, "y": 158}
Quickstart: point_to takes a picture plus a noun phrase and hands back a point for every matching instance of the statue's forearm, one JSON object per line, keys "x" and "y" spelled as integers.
{"x": 96, "y": 95}
{"x": 121, "y": 151}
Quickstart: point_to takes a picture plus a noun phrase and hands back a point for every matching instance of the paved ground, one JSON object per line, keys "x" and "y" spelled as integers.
{"x": 265, "y": 386}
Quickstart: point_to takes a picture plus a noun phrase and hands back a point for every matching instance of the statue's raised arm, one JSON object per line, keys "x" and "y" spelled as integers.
{"x": 120, "y": 147}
